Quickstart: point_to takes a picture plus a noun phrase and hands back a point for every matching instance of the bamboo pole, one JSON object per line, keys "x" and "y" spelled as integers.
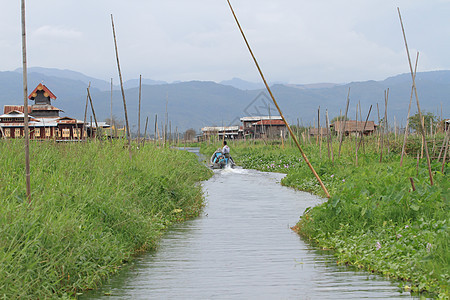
{"x": 111, "y": 116}
{"x": 417, "y": 97}
{"x": 386, "y": 98}
{"x": 145, "y": 131}
{"x": 379, "y": 129}
{"x": 445, "y": 152}
{"x": 319, "y": 133}
{"x": 362, "y": 133}
{"x": 405, "y": 139}
{"x": 25, "y": 104}
{"x": 165, "y": 125}
{"x": 85, "y": 111}
{"x": 417, "y": 166}
{"x": 423, "y": 139}
{"x": 341, "y": 137}
{"x": 395, "y": 129}
{"x": 276, "y": 104}
{"x": 156, "y": 128}
{"x": 139, "y": 109}
{"x": 412, "y": 184}
{"x": 356, "y": 135}
{"x": 383, "y": 133}
{"x": 329, "y": 139}
{"x": 97, "y": 129}
{"x": 121, "y": 87}
{"x": 163, "y": 132}
{"x": 157, "y": 132}
{"x": 443, "y": 144}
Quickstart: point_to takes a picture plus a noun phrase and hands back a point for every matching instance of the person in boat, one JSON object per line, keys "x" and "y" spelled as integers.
{"x": 217, "y": 155}
{"x": 226, "y": 151}
{"x": 221, "y": 160}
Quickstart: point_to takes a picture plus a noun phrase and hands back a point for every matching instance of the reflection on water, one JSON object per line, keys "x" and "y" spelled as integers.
{"x": 243, "y": 248}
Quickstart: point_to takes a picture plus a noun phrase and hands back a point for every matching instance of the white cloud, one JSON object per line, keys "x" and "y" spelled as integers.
{"x": 298, "y": 41}
{"x": 56, "y": 32}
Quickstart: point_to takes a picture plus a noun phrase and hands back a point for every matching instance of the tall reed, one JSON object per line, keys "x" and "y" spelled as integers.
{"x": 92, "y": 209}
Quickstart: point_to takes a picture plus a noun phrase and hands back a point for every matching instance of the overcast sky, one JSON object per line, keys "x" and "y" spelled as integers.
{"x": 295, "y": 41}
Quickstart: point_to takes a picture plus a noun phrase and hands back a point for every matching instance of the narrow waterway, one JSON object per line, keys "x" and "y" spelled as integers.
{"x": 242, "y": 248}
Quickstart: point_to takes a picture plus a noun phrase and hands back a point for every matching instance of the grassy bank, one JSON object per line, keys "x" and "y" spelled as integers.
{"x": 91, "y": 210}
{"x": 373, "y": 220}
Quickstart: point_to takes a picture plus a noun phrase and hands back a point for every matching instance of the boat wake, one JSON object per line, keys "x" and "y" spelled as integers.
{"x": 234, "y": 170}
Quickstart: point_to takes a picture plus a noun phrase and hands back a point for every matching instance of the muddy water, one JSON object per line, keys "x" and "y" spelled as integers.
{"x": 242, "y": 248}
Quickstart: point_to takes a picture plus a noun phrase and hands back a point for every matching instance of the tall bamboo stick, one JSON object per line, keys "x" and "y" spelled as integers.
{"x": 364, "y": 129}
{"x": 145, "y": 131}
{"x": 329, "y": 139}
{"x": 386, "y": 98}
{"x": 417, "y": 97}
{"x": 443, "y": 144}
{"x": 111, "y": 116}
{"x": 379, "y": 129}
{"x": 383, "y": 133}
{"x": 156, "y": 125}
{"x": 356, "y": 135}
{"x": 320, "y": 133}
{"x": 345, "y": 121}
{"x": 139, "y": 109}
{"x": 121, "y": 87}
{"x": 446, "y": 149}
{"x": 166, "y": 122}
{"x": 25, "y": 105}
{"x": 93, "y": 112}
{"x": 278, "y": 108}
{"x": 85, "y": 112}
{"x": 405, "y": 139}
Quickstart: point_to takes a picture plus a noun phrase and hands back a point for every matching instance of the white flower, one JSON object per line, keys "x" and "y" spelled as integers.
{"x": 378, "y": 246}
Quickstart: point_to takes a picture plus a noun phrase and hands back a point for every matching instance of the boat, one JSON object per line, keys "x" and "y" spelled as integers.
{"x": 219, "y": 161}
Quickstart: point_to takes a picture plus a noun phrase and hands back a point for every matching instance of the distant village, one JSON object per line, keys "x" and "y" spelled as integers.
{"x": 269, "y": 127}
{"x": 45, "y": 122}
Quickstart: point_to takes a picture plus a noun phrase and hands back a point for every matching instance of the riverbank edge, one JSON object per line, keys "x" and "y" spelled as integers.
{"x": 93, "y": 210}
{"x": 425, "y": 285}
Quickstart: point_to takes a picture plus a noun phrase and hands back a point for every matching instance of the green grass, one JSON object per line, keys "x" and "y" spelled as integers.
{"x": 373, "y": 219}
{"x": 92, "y": 209}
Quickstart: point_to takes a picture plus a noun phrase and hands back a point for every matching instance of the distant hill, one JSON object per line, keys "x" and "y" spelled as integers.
{"x": 68, "y": 74}
{"x": 132, "y": 83}
{"x": 246, "y": 85}
{"x": 98, "y": 83}
{"x": 242, "y": 84}
{"x": 195, "y": 104}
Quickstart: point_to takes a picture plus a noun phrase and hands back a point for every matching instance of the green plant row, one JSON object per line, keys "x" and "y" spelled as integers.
{"x": 373, "y": 219}
{"x": 91, "y": 210}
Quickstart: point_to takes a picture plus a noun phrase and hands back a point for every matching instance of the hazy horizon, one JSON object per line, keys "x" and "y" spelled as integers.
{"x": 297, "y": 42}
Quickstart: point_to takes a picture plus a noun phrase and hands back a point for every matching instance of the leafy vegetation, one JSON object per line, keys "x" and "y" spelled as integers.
{"x": 373, "y": 220}
{"x": 91, "y": 210}
{"x": 428, "y": 120}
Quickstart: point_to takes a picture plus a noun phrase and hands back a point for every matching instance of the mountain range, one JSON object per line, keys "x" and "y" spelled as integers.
{"x": 195, "y": 104}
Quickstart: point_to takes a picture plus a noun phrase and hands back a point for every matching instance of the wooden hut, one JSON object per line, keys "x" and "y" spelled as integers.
{"x": 249, "y": 124}
{"x": 354, "y": 127}
{"x": 230, "y": 132}
{"x": 270, "y": 128}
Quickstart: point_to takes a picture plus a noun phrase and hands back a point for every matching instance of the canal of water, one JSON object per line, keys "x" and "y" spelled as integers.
{"x": 242, "y": 247}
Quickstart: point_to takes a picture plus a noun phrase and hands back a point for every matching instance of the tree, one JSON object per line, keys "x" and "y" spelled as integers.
{"x": 429, "y": 118}
{"x": 190, "y": 134}
{"x": 114, "y": 122}
{"x": 339, "y": 118}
